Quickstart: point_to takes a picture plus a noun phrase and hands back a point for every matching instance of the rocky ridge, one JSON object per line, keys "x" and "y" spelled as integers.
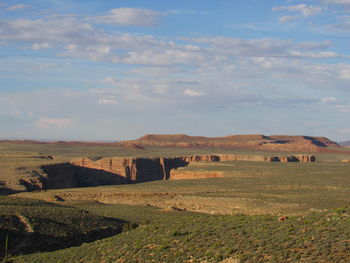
{"x": 248, "y": 142}
{"x": 259, "y": 142}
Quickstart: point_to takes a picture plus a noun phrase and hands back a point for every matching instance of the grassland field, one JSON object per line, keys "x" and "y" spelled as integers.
{"x": 256, "y": 212}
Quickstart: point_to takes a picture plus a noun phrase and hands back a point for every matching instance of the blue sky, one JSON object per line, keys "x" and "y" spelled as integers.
{"x": 114, "y": 70}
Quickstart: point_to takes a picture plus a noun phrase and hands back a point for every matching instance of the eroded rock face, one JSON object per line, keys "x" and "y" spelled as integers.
{"x": 53, "y": 178}
{"x": 130, "y": 170}
{"x": 85, "y": 172}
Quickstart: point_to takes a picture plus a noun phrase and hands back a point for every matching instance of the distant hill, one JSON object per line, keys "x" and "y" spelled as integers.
{"x": 278, "y": 143}
{"x": 59, "y": 143}
{"x": 345, "y": 143}
{"x": 247, "y": 142}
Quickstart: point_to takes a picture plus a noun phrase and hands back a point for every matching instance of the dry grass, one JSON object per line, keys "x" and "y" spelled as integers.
{"x": 277, "y": 188}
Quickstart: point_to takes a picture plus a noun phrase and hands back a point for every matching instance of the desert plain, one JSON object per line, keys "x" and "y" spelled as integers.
{"x": 176, "y": 198}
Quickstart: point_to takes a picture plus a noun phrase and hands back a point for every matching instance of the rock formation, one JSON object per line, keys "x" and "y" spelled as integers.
{"x": 249, "y": 142}
{"x": 85, "y": 172}
{"x": 130, "y": 170}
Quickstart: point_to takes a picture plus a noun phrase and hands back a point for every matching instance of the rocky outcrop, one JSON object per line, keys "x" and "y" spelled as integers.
{"x": 85, "y": 172}
{"x": 53, "y": 178}
{"x": 261, "y": 158}
{"x": 298, "y": 158}
{"x": 128, "y": 170}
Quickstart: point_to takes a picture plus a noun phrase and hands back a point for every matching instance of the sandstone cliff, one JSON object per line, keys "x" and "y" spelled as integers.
{"x": 129, "y": 170}
{"x": 85, "y": 172}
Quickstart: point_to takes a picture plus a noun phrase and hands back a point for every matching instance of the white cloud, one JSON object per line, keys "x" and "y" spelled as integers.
{"x": 133, "y": 89}
{"x": 55, "y": 31}
{"x": 182, "y": 67}
{"x": 345, "y": 74}
{"x": 330, "y": 100}
{"x": 245, "y": 47}
{"x": 18, "y": 7}
{"x": 200, "y": 73}
{"x": 156, "y": 71}
{"x": 343, "y": 108}
{"x": 106, "y": 101}
{"x": 338, "y": 2}
{"x": 193, "y": 93}
{"x": 47, "y": 123}
{"x": 38, "y": 46}
{"x": 161, "y": 88}
{"x": 29, "y": 65}
{"x": 343, "y": 23}
{"x": 94, "y": 52}
{"x": 310, "y": 45}
{"x": 303, "y": 9}
{"x": 284, "y": 19}
{"x": 128, "y": 17}
{"x": 319, "y": 55}
{"x": 167, "y": 56}
{"x": 266, "y": 47}
{"x": 188, "y": 12}
{"x": 83, "y": 41}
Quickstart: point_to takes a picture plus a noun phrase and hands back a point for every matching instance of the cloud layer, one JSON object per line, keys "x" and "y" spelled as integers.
{"x": 77, "y": 70}
{"x": 128, "y": 17}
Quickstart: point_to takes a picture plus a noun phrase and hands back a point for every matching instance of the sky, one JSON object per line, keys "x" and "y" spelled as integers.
{"x": 116, "y": 70}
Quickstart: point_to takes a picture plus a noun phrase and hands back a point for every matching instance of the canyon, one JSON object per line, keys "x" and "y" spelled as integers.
{"x": 27, "y": 165}
{"x": 84, "y": 172}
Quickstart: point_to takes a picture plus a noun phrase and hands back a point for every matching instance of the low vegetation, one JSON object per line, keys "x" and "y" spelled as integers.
{"x": 248, "y": 187}
{"x": 179, "y": 236}
{"x": 33, "y": 225}
{"x": 256, "y": 212}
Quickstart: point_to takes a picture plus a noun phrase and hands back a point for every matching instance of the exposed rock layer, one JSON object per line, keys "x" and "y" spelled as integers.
{"x": 117, "y": 170}
{"x": 149, "y": 169}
